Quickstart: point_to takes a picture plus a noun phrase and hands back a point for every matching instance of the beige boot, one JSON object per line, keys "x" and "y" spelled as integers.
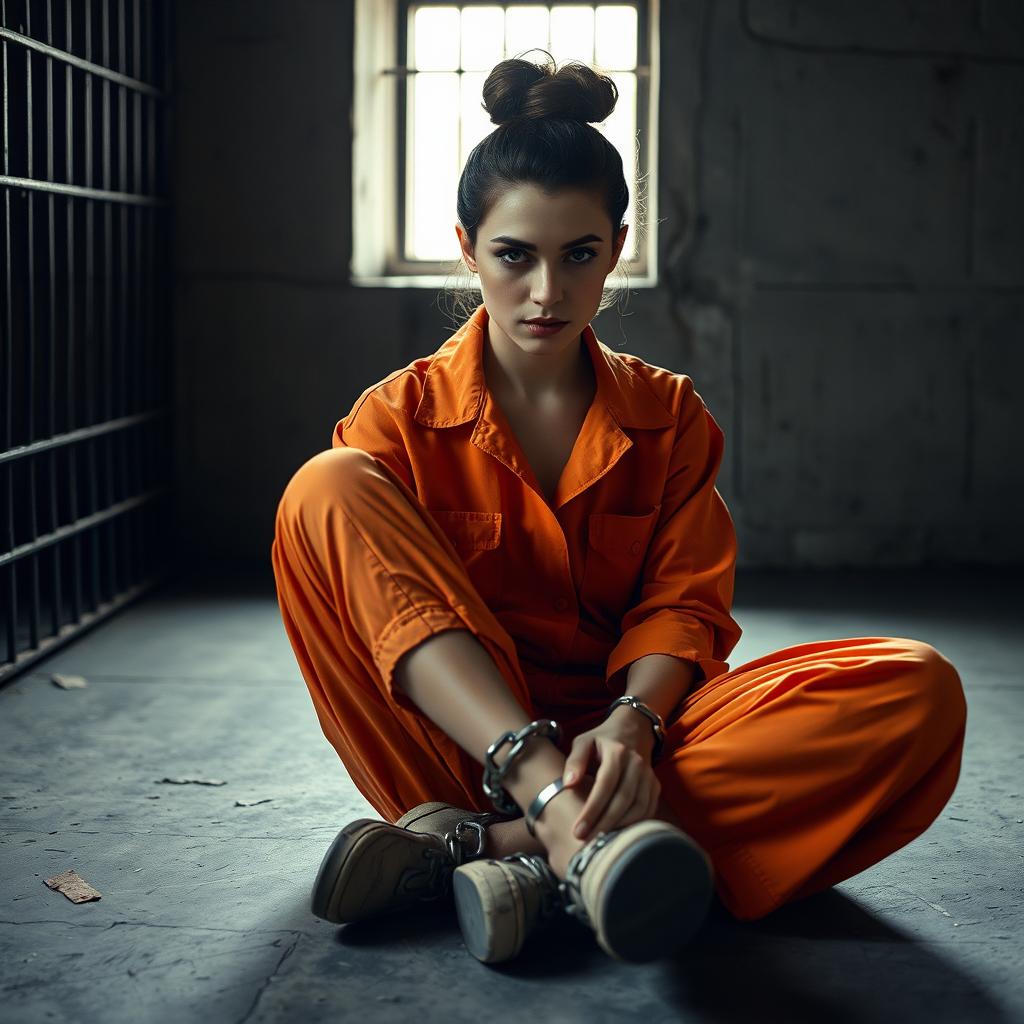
{"x": 374, "y": 868}
{"x": 644, "y": 889}
{"x": 500, "y": 902}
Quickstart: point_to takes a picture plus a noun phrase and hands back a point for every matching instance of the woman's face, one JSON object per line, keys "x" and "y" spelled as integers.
{"x": 527, "y": 268}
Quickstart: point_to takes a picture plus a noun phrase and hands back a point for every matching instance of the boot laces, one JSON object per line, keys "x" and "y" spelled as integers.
{"x": 439, "y": 870}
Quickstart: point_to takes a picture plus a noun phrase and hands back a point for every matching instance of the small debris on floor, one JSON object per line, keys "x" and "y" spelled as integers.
{"x": 74, "y": 886}
{"x": 198, "y": 782}
{"x": 253, "y": 803}
{"x": 68, "y": 682}
{"x": 951, "y": 818}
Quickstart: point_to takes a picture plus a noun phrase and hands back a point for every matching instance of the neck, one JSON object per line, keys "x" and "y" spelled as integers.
{"x": 532, "y": 379}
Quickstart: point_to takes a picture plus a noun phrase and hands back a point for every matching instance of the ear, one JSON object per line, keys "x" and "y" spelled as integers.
{"x": 466, "y": 246}
{"x": 620, "y": 241}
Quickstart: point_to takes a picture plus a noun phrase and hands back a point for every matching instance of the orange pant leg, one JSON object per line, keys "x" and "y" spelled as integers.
{"x": 363, "y": 575}
{"x": 806, "y": 766}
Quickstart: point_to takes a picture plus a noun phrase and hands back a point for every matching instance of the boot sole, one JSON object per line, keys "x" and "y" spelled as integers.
{"x": 654, "y": 896}
{"x": 334, "y": 898}
{"x": 490, "y": 910}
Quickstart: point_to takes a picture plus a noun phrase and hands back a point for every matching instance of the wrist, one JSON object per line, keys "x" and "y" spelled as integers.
{"x": 633, "y": 728}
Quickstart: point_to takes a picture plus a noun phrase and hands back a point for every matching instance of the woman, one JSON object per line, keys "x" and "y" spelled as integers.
{"x": 514, "y": 555}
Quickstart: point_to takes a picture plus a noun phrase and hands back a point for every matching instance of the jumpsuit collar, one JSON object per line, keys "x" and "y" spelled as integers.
{"x": 455, "y": 392}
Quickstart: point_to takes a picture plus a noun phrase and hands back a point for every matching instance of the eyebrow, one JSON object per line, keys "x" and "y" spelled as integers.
{"x": 529, "y": 245}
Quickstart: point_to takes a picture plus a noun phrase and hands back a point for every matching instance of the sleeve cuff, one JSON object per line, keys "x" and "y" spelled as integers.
{"x": 401, "y": 635}
{"x": 689, "y": 640}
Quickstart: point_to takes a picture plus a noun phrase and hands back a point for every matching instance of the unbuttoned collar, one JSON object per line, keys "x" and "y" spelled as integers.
{"x": 455, "y": 387}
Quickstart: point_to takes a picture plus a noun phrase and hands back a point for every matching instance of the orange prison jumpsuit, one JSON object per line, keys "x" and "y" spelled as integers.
{"x": 794, "y": 771}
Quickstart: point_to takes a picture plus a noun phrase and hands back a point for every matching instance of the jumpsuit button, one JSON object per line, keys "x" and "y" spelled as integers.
{"x": 634, "y": 548}
{"x": 560, "y": 604}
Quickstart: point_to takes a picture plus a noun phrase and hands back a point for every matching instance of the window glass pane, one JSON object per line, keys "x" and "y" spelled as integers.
{"x": 620, "y": 130}
{"x": 572, "y": 34}
{"x": 435, "y": 169}
{"x": 476, "y": 122}
{"x": 615, "y": 36}
{"x": 446, "y": 116}
{"x": 483, "y": 37}
{"x": 434, "y": 40}
{"x": 525, "y": 28}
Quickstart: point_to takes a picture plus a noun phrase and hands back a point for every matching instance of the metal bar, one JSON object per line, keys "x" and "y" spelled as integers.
{"x": 89, "y": 348}
{"x": 70, "y": 632}
{"x": 96, "y": 519}
{"x": 82, "y": 191}
{"x": 86, "y": 412}
{"x": 137, "y": 218}
{"x": 122, "y": 39}
{"x": 122, "y": 112}
{"x": 151, "y": 388}
{"x": 123, "y": 440}
{"x": 152, "y": 167}
{"x": 107, "y": 333}
{"x": 165, "y": 56}
{"x": 51, "y": 331}
{"x": 139, "y": 341}
{"x": 149, "y": 68}
{"x": 85, "y": 65}
{"x": 30, "y": 348}
{"x": 7, "y": 372}
{"x": 137, "y": 40}
{"x": 11, "y": 615}
{"x": 70, "y": 391}
{"x": 149, "y": 288}
{"x": 138, "y": 184}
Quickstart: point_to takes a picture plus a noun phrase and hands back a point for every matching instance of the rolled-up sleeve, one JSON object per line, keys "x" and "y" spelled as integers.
{"x": 375, "y": 428}
{"x": 686, "y": 589}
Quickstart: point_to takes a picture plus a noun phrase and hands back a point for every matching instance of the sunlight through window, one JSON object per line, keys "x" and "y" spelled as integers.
{"x": 451, "y": 49}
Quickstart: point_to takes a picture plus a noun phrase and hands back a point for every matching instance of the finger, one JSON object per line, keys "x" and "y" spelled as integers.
{"x": 652, "y": 802}
{"x": 622, "y": 797}
{"x": 634, "y": 808}
{"x": 577, "y": 762}
{"x": 638, "y": 810}
{"x": 647, "y": 796}
{"x": 609, "y": 773}
{"x": 633, "y": 813}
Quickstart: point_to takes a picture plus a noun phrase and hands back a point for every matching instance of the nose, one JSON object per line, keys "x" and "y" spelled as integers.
{"x": 546, "y": 287}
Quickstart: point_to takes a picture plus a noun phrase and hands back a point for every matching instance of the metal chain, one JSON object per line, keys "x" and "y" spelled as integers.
{"x": 571, "y": 886}
{"x": 552, "y": 900}
{"x": 494, "y": 776}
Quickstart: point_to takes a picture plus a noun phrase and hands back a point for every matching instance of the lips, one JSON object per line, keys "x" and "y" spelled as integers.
{"x": 545, "y": 323}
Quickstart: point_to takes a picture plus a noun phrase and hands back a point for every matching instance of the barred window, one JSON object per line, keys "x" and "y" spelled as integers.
{"x": 419, "y": 74}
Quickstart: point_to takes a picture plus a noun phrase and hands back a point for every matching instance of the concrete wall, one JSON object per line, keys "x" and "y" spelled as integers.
{"x": 841, "y": 244}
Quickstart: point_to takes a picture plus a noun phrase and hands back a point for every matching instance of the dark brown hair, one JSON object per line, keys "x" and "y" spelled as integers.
{"x": 544, "y": 137}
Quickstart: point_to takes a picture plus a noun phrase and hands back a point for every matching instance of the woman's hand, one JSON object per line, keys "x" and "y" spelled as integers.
{"x": 625, "y": 789}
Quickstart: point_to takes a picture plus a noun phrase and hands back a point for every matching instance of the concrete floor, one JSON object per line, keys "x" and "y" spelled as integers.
{"x": 204, "y": 914}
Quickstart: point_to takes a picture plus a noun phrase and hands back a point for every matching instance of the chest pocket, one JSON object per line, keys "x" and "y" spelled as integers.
{"x": 616, "y": 548}
{"x": 476, "y": 537}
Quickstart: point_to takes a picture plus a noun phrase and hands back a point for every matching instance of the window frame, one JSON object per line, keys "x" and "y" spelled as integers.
{"x": 379, "y": 152}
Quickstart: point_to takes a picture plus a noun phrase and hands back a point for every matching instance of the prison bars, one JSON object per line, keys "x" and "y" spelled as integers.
{"x": 85, "y": 452}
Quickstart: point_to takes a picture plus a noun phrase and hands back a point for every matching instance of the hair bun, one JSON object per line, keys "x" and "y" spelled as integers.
{"x": 518, "y": 89}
